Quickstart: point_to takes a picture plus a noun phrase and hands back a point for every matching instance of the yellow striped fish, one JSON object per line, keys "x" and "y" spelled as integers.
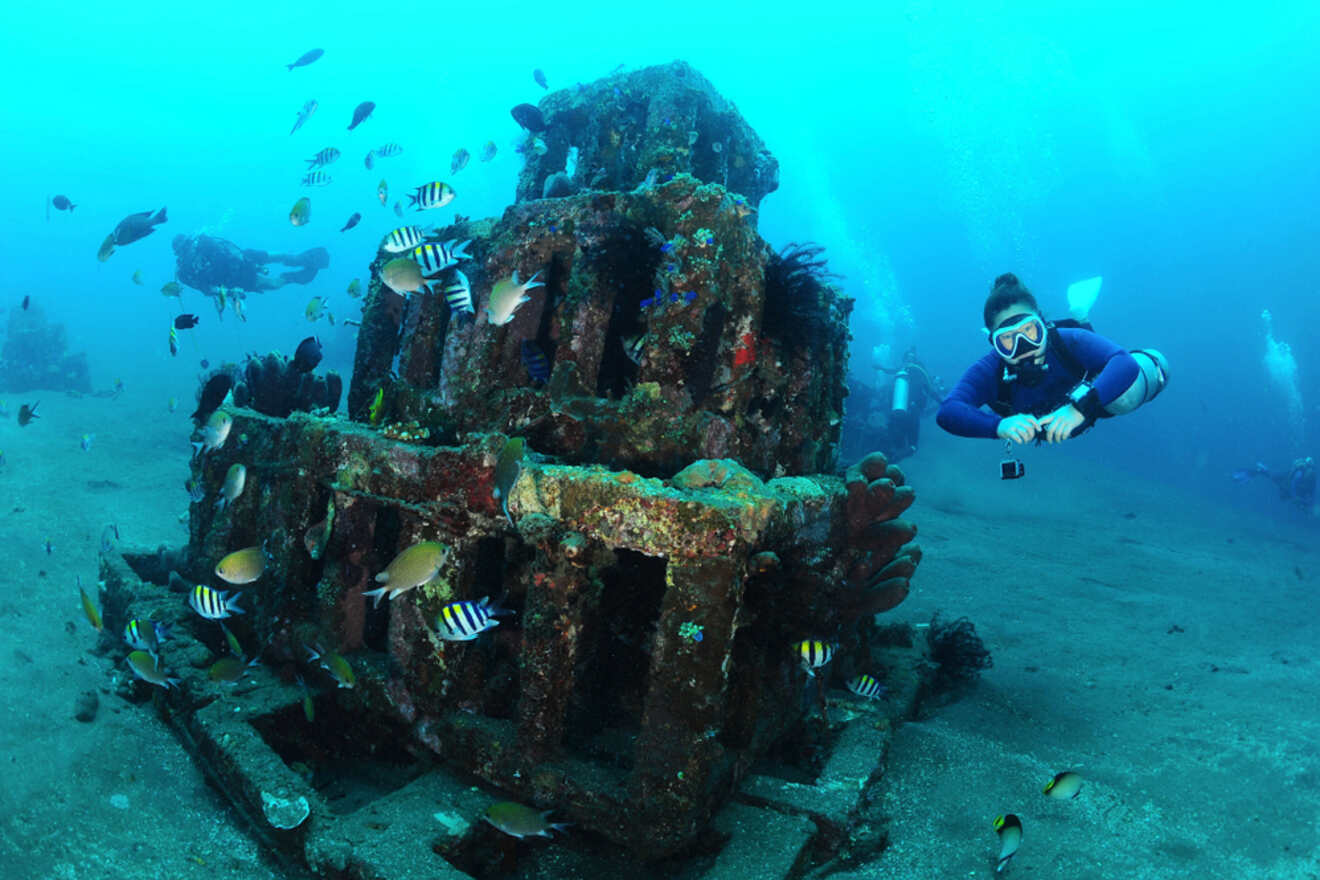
{"x": 814, "y": 654}
{"x": 404, "y": 238}
{"x": 465, "y": 620}
{"x": 213, "y": 604}
{"x": 89, "y": 607}
{"x": 432, "y": 195}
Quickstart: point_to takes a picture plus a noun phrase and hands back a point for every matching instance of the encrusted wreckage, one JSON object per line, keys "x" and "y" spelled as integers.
{"x": 675, "y": 529}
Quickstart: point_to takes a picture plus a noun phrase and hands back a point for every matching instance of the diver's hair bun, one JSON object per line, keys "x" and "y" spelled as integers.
{"x": 1008, "y": 279}
{"x": 1007, "y": 291}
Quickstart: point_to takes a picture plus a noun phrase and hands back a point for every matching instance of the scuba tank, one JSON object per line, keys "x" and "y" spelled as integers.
{"x": 1150, "y": 381}
{"x": 900, "y": 394}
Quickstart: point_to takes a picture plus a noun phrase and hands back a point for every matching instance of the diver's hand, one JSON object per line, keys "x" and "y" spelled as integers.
{"x": 1059, "y": 425}
{"x": 1020, "y": 428}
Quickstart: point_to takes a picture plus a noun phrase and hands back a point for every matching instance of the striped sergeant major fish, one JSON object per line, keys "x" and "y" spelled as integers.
{"x": 866, "y": 687}
{"x": 432, "y": 195}
{"x": 814, "y": 654}
{"x": 464, "y": 620}
{"x": 434, "y": 257}
{"x": 458, "y": 293}
{"x": 390, "y": 149}
{"x": 325, "y": 157}
{"x": 213, "y": 604}
{"x": 316, "y": 178}
{"x": 405, "y": 238}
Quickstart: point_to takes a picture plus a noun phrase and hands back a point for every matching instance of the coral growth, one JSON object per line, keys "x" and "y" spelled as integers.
{"x": 957, "y": 652}
{"x": 272, "y": 385}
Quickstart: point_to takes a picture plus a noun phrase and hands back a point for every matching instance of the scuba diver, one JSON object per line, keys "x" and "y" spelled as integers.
{"x": 1296, "y": 484}
{"x": 912, "y": 391}
{"x": 208, "y": 262}
{"x": 1046, "y": 381}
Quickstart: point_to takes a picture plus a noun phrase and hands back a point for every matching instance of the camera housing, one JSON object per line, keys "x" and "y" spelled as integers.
{"x": 1012, "y": 469}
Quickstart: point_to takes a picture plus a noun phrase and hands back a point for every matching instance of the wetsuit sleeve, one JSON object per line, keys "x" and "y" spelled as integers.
{"x": 961, "y": 411}
{"x": 1114, "y": 369}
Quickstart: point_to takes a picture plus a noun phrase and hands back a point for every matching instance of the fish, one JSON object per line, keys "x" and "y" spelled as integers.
{"x": 398, "y": 209}
{"x": 213, "y": 604}
{"x": 235, "y": 480}
{"x": 242, "y": 566}
{"x": 315, "y": 308}
{"x": 323, "y": 158}
{"x": 316, "y": 178}
{"x": 137, "y": 277}
{"x": 136, "y": 227}
{"x": 186, "y": 322}
{"x": 459, "y": 160}
{"x": 465, "y": 620}
{"x": 172, "y": 288}
{"x": 306, "y": 58}
{"x": 867, "y": 687}
{"x": 337, "y": 666}
{"x": 229, "y": 669}
{"x": 309, "y": 706}
{"x": 48, "y": 547}
{"x": 377, "y": 407}
{"x": 814, "y": 654}
{"x": 633, "y": 347}
{"x": 86, "y": 442}
{"x": 415, "y": 566}
{"x": 195, "y": 491}
{"x": 27, "y": 301}
{"x": 213, "y": 396}
{"x": 538, "y": 369}
{"x": 221, "y": 302}
{"x": 528, "y": 117}
{"x": 383, "y": 192}
{"x": 458, "y": 293}
{"x": 508, "y": 467}
{"x": 431, "y": 195}
{"x": 62, "y": 203}
{"x": 360, "y": 113}
{"x": 1009, "y": 829}
{"x": 435, "y": 257}
{"x": 404, "y": 238}
{"x": 109, "y": 538}
{"x": 107, "y": 248}
{"x": 145, "y": 635}
{"x": 172, "y": 404}
{"x": 1064, "y": 786}
{"x": 539, "y": 75}
{"x": 303, "y": 115}
{"x": 355, "y": 288}
{"x": 507, "y": 295}
{"x": 27, "y": 412}
{"x": 352, "y": 221}
{"x": 89, "y": 608}
{"x": 538, "y": 146}
{"x": 215, "y": 433}
{"x": 519, "y": 821}
{"x": 488, "y": 151}
{"x": 234, "y": 647}
{"x": 308, "y": 355}
{"x": 402, "y": 275}
{"x": 301, "y": 212}
{"x": 147, "y": 667}
{"x": 388, "y": 150}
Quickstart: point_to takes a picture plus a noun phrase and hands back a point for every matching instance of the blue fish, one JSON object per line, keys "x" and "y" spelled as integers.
{"x": 534, "y": 360}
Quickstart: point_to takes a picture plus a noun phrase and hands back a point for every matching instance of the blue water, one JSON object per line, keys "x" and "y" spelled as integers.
{"x": 927, "y": 146}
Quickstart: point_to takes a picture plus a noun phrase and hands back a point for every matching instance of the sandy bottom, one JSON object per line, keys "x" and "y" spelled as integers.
{"x": 1152, "y": 643}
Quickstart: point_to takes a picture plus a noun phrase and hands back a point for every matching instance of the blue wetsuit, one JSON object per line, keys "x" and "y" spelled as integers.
{"x": 1109, "y": 368}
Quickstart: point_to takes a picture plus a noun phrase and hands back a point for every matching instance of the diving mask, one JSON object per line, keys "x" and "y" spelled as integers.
{"x": 1019, "y": 335}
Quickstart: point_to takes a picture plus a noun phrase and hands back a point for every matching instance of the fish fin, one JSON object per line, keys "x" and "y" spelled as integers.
{"x": 459, "y": 252}
{"x": 375, "y": 595}
{"x": 231, "y": 605}
{"x": 160, "y": 215}
{"x": 532, "y": 282}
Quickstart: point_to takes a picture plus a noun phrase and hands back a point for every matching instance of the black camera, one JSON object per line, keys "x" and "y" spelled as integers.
{"x": 1012, "y": 469}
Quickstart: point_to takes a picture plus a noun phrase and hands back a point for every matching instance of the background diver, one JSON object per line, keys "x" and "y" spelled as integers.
{"x": 1296, "y": 483}
{"x": 910, "y": 394}
{"x": 1047, "y": 381}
